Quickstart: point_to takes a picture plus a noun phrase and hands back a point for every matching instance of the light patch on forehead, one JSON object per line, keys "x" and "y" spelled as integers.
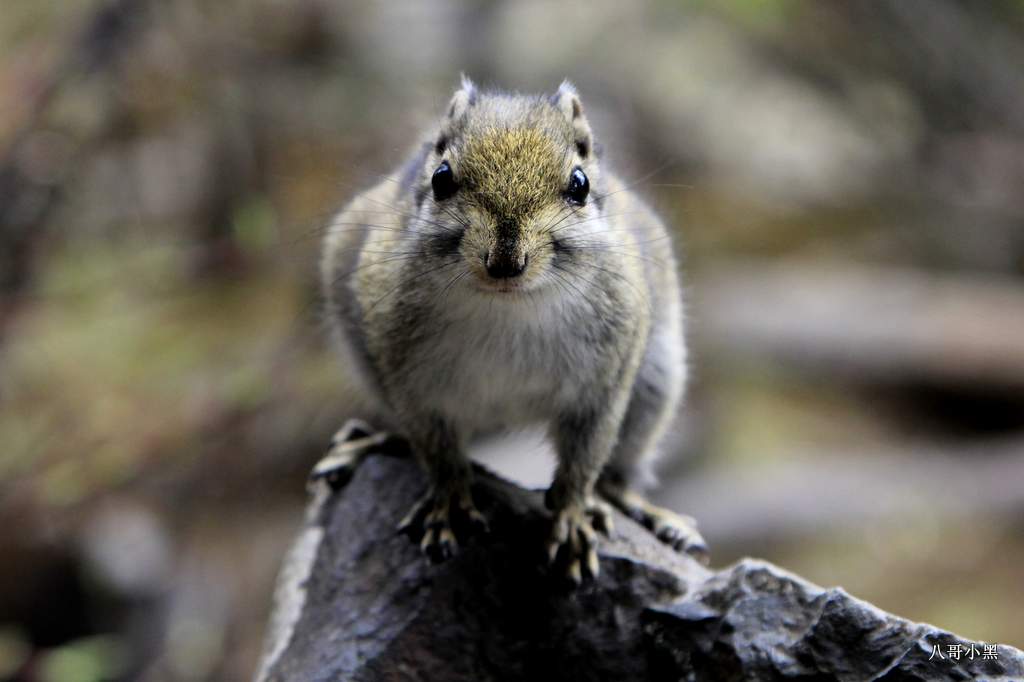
{"x": 512, "y": 171}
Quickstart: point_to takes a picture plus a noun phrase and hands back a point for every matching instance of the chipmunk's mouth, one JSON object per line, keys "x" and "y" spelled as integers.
{"x": 501, "y": 286}
{"x": 510, "y": 287}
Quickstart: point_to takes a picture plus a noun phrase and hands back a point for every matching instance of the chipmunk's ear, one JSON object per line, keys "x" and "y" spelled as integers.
{"x": 462, "y": 100}
{"x": 567, "y": 101}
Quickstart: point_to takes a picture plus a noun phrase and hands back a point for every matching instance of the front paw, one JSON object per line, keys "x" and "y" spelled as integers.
{"x": 441, "y": 520}
{"x": 573, "y": 542}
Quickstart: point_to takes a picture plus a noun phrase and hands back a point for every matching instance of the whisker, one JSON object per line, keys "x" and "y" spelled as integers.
{"x": 568, "y": 211}
{"x": 352, "y": 226}
{"x": 633, "y": 184}
{"x": 568, "y": 282}
{"x": 452, "y": 282}
{"x": 583, "y": 239}
{"x": 408, "y": 280}
{"x": 382, "y": 261}
{"x": 411, "y": 216}
{"x": 591, "y": 219}
{"x": 644, "y": 296}
{"x": 607, "y": 249}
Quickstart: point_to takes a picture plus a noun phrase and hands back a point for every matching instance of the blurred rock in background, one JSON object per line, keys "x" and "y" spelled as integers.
{"x": 845, "y": 180}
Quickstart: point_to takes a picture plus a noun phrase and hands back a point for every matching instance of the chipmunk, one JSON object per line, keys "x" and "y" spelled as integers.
{"x": 504, "y": 277}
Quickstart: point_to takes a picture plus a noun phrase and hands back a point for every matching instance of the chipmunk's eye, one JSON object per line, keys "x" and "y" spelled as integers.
{"x": 579, "y": 187}
{"x": 443, "y": 182}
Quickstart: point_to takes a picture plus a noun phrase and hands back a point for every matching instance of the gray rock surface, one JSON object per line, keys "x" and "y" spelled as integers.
{"x": 356, "y": 601}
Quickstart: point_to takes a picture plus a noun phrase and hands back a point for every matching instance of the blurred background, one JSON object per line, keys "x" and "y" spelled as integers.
{"x": 847, "y": 184}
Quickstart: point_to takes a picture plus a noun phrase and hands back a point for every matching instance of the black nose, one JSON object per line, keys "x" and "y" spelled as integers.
{"x": 504, "y": 268}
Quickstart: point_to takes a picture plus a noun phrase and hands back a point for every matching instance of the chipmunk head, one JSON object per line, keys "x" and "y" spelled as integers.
{"x": 508, "y": 179}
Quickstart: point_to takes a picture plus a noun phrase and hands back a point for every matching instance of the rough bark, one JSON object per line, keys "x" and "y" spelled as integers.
{"x": 356, "y": 601}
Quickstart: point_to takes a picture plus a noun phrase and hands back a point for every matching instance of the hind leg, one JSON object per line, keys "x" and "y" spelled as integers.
{"x": 676, "y": 530}
{"x": 349, "y": 446}
{"x": 652, "y": 405}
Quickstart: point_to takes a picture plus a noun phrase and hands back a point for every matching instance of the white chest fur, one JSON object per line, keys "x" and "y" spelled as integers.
{"x": 494, "y": 362}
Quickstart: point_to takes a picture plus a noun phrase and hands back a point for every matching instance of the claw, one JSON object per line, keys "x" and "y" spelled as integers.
{"x": 601, "y": 517}
{"x": 573, "y": 540}
{"x": 593, "y": 567}
{"x": 349, "y": 446}
{"x": 697, "y": 549}
{"x": 575, "y": 573}
{"x": 432, "y": 515}
{"x": 477, "y": 521}
{"x": 670, "y": 535}
{"x": 678, "y": 531}
{"x": 353, "y": 429}
{"x": 439, "y": 544}
{"x": 416, "y": 514}
{"x": 553, "y": 548}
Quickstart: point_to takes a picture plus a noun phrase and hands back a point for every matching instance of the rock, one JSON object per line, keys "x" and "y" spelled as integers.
{"x": 356, "y": 601}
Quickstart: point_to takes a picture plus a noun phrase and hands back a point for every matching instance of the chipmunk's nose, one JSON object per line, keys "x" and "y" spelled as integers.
{"x": 504, "y": 266}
